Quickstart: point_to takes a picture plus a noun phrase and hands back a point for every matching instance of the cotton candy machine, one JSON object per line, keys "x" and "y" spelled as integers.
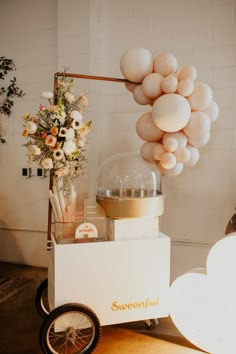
{"x": 129, "y": 187}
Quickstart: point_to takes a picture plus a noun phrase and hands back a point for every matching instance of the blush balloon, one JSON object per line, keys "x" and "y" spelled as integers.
{"x": 171, "y": 112}
{"x": 185, "y": 87}
{"x": 158, "y": 151}
{"x": 152, "y": 85}
{"x": 147, "y": 130}
{"x": 182, "y": 155}
{"x": 139, "y": 96}
{"x": 136, "y": 63}
{"x": 168, "y": 160}
{"x": 130, "y": 86}
{"x": 170, "y": 144}
{"x": 179, "y": 136}
{"x": 199, "y": 125}
{"x": 212, "y": 111}
{"x": 187, "y": 72}
{"x": 165, "y": 64}
{"x": 174, "y": 171}
{"x": 199, "y": 142}
{"x": 169, "y": 84}
{"x": 201, "y": 97}
{"x": 147, "y": 151}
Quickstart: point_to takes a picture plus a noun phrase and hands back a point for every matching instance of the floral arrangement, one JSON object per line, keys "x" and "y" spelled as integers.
{"x": 57, "y": 133}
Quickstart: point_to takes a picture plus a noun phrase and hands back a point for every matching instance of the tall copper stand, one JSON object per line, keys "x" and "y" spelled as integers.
{"x": 76, "y": 76}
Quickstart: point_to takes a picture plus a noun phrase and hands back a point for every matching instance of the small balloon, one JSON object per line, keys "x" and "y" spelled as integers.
{"x": 201, "y": 97}
{"x": 187, "y": 72}
{"x": 199, "y": 125}
{"x": 165, "y": 64}
{"x": 185, "y": 87}
{"x": 212, "y": 111}
{"x": 182, "y": 155}
{"x": 130, "y": 86}
{"x": 139, "y": 96}
{"x": 169, "y": 84}
{"x": 158, "y": 151}
{"x": 136, "y": 63}
{"x": 147, "y": 151}
{"x": 147, "y": 130}
{"x": 179, "y": 136}
{"x": 170, "y": 144}
{"x": 174, "y": 171}
{"x": 194, "y": 156}
{"x": 152, "y": 85}
{"x": 168, "y": 160}
{"x": 171, "y": 112}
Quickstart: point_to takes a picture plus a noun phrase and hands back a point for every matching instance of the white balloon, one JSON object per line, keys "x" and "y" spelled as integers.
{"x": 139, "y": 96}
{"x": 152, "y": 85}
{"x": 146, "y": 129}
{"x": 165, "y": 64}
{"x": 199, "y": 125}
{"x": 201, "y": 97}
{"x": 136, "y": 63}
{"x": 212, "y": 111}
{"x": 171, "y": 112}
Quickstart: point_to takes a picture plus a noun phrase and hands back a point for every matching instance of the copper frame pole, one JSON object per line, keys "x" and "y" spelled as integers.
{"x": 76, "y": 76}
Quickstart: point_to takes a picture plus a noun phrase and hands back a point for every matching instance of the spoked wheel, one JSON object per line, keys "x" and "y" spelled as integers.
{"x": 41, "y": 299}
{"x": 70, "y": 329}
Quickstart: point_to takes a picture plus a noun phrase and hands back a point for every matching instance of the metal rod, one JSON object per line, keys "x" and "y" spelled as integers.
{"x": 91, "y": 77}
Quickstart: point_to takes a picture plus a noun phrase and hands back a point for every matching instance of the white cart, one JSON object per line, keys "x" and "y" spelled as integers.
{"x": 102, "y": 283}
{"x": 99, "y": 283}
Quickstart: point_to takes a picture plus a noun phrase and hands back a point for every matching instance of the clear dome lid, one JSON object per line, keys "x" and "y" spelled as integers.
{"x": 127, "y": 175}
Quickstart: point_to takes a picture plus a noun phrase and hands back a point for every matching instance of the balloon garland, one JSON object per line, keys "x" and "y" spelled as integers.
{"x": 182, "y": 110}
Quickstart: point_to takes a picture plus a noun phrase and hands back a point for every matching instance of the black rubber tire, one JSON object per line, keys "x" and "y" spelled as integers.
{"x": 41, "y": 299}
{"x": 74, "y": 337}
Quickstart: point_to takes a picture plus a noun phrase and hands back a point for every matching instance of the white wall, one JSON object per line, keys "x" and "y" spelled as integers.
{"x": 90, "y": 37}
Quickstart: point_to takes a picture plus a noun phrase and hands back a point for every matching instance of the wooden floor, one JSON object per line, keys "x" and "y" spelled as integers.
{"x": 20, "y": 325}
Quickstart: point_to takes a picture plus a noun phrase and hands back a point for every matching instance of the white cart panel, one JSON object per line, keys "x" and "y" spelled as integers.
{"x": 120, "y": 281}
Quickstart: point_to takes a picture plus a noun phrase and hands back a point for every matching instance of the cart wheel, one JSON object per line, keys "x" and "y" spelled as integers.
{"x": 41, "y": 299}
{"x": 70, "y": 329}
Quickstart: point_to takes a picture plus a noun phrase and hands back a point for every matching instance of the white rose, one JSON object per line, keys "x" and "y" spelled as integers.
{"x": 47, "y": 94}
{"x": 69, "y": 97}
{"x": 68, "y": 147}
{"x": 76, "y": 115}
{"x": 34, "y": 150}
{"x": 31, "y": 127}
{"x": 47, "y": 164}
{"x": 70, "y": 134}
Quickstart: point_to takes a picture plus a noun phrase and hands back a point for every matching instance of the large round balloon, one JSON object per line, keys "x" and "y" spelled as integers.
{"x": 146, "y": 129}
{"x": 147, "y": 151}
{"x": 201, "y": 97}
{"x": 171, "y": 112}
{"x": 165, "y": 64}
{"x": 136, "y": 63}
{"x": 152, "y": 85}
